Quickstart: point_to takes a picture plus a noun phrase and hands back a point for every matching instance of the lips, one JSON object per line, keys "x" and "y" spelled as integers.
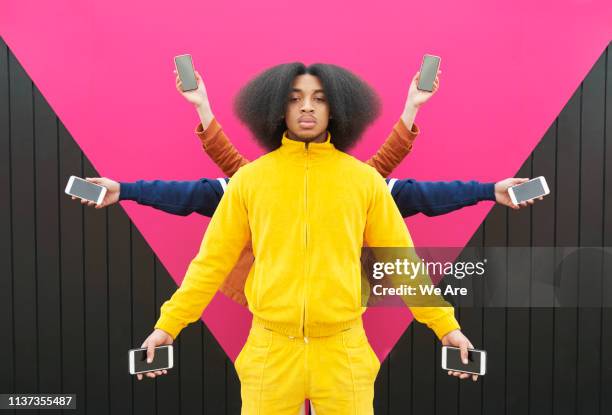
{"x": 307, "y": 122}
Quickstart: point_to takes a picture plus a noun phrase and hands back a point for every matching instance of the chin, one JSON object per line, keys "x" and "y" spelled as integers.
{"x": 309, "y": 134}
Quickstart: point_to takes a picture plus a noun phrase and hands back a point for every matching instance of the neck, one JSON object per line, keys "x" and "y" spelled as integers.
{"x": 318, "y": 139}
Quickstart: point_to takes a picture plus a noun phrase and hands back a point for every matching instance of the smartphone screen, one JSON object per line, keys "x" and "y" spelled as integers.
{"x": 161, "y": 359}
{"x": 453, "y": 360}
{"x": 429, "y": 70}
{"x": 529, "y": 190}
{"x": 85, "y": 190}
{"x": 184, "y": 67}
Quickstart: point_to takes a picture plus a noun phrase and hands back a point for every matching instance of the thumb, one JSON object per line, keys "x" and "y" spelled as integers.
{"x": 464, "y": 353}
{"x": 150, "y": 351}
{"x": 96, "y": 180}
{"x": 516, "y": 180}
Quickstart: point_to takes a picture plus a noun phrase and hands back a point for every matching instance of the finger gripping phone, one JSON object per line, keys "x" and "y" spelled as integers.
{"x": 85, "y": 190}
{"x": 184, "y": 67}
{"x": 477, "y": 360}
{"x": 529, "y": 190}
{"x": 428, "y": 72}
{"x": 162, "y": 359}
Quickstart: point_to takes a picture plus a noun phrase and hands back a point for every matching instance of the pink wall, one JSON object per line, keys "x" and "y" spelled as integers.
{"x": 106, "y": 69}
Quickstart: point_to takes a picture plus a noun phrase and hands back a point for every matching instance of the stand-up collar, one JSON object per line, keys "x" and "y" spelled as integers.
{"x": 293, "y": 146}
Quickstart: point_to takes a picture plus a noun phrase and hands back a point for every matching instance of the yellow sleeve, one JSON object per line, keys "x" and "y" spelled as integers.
{"x": 385, "y": 227}
{"x": 439, "y": 319}
{"x": 227, "y": 234}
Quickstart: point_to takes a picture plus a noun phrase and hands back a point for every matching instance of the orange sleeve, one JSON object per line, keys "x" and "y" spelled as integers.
{"x": 219, "y": 148}
{"x": 394, "y": 149}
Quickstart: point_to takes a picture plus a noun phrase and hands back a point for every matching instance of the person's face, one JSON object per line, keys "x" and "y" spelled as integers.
{"x": 307, "y": 114}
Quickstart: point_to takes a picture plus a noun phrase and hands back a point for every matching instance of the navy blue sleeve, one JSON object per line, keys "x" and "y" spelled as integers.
{"x": 176, "y": 197}
{"x": 437, "y": 198}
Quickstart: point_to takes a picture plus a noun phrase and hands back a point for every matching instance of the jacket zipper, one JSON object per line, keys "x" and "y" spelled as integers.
{"x": 305, "y": 246}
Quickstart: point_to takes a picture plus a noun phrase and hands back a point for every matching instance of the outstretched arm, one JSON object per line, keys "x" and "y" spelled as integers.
{"x": 438, "y": 198}
{"x": 175, "y": 197}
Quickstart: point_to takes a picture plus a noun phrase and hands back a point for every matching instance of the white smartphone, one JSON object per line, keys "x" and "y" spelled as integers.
{"x": 477, "y": 360}
{"x": 184, "y": 67}
{"x": 529, "y": 190}
{"x": 163, "y": 359}
{"x": 428, "y": 72}
{"x": 85, "y": 190}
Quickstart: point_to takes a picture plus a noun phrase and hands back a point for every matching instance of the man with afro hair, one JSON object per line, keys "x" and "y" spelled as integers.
{"x": 308, "y": 208}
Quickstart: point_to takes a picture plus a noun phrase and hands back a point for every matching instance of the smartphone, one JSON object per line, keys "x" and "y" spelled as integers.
{"x": 184, "y": 67}
{"x": 529, "y": 190}
{"x": 477, "y": 360}
{"x": 85, "y": 190}
{"x": 163, "y": 359}
{"x": 429, "y": 70}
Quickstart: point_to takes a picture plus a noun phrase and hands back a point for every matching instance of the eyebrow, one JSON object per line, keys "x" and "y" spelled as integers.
{"x": 299, "y": 90}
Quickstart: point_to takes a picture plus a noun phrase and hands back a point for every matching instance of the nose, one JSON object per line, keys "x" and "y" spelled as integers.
{"x": 307, "y": 106}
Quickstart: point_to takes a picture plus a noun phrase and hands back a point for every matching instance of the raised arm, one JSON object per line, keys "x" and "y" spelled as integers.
{"x": 399, "y": 142}
{"x": 214, "y": 141}
{"x": 225, "y": 155}
{"x": 219, "y": 148}
{"x": 395, "y": 148}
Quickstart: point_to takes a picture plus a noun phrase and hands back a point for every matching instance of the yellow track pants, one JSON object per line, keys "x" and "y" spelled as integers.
{"x": 278, "y": 372}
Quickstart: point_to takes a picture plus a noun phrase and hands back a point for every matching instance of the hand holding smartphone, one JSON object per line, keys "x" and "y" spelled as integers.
{"x": 186, "y": 72}
{"x": 83, "y": 189}
{"x": 191, "y": 86}
{"x": 428, "y": 72}
{"x": 529, "y": 190}
{"x": 163, "y": 359}
{"x": 477, "y": 360}
{"x": 152, "y": 364}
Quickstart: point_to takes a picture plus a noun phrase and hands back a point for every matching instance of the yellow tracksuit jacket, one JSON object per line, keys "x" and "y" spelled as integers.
{"x": 308, "y": 209}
